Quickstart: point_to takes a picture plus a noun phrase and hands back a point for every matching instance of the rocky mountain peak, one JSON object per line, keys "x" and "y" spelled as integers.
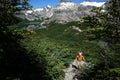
{"x": 63, "y": 12}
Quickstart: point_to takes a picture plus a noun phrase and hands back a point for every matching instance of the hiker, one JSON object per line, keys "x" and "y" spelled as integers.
{"x": 80, "y": 58}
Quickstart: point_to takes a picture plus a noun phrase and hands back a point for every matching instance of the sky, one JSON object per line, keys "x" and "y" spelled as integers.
{"x": 43, "y": 3}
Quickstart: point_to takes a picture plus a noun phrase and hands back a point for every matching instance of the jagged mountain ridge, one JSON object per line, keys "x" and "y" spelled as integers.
{"x": 62, "y": 12}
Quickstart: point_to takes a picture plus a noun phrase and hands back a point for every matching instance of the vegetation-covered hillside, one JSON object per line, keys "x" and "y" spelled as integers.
{"x": 59, "y": 44}
{"x": 44, "y": 53}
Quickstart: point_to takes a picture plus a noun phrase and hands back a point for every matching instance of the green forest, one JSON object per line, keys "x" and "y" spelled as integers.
{"x": 42, "y": 54}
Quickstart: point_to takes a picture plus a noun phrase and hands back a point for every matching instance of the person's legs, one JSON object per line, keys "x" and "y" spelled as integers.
{"x": 79, "y": 64}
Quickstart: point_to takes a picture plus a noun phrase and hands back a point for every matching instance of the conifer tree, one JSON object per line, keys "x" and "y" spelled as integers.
{"x": 16, "y": 63}
{"x": 108, "y": 20}
{"x": 113, "y": 11}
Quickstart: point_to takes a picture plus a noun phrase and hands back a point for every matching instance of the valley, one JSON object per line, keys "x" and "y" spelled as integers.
{"x": 43, "y": 43}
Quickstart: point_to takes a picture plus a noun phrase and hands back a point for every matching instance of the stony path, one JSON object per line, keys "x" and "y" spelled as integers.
{"x": 72, "y": 71}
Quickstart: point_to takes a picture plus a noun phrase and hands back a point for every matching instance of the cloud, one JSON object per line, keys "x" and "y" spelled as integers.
{"x": 97, "y": 4}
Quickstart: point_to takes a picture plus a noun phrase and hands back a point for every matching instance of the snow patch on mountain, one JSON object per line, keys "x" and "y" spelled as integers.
{"x": 29, "y": 11}
{"x": 44, "y": 9}
{"x": 39, "y": 9}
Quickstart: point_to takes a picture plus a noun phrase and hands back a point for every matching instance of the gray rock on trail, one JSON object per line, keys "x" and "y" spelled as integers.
{"x": 72, "y": 71}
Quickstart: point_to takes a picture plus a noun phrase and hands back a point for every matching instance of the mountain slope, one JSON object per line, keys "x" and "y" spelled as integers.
{"x": 62, "y": 12}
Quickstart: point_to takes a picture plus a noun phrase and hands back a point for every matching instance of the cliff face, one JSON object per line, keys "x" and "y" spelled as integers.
{"x": 66, "y": 12}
